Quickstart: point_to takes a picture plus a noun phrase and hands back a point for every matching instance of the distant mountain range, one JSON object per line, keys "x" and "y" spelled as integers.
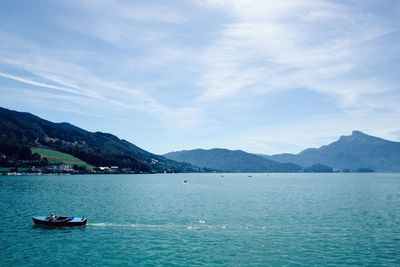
{"x": 357, "y": 152}
{"x": 20, "y": 131}
{"x": 231, "y": 161}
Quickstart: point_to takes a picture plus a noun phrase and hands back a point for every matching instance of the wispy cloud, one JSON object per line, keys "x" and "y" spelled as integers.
{"x": 123, "y": 23}
{"x": 208, "y": 71}
{"x": 52, "y": 74}
{"x": 120, "y": 10}
{"x": 40, "y": 84}
{"x": 320, "y": 45}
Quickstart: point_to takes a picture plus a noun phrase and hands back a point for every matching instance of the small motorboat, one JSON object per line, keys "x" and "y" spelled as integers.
{"x": 59, "y": 220}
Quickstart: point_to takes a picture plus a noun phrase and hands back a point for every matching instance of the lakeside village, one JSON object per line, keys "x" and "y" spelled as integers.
{"x": 41, "y": 166}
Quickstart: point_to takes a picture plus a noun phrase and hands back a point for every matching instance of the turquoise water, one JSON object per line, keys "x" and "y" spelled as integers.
{"x": 234, "y": 220}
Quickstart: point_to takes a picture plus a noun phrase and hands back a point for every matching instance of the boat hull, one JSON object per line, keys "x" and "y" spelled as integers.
{"x": 42, "y": 220}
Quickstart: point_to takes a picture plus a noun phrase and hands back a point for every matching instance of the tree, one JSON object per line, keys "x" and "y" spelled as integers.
{"x": 44, "y": 162}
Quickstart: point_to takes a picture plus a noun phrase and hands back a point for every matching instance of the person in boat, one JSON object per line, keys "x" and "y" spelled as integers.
{"x": 52, "y": 217}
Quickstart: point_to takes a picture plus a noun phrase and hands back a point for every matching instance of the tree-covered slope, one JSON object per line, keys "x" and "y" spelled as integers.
{"x": 356, "y": 151}
{"x": 231, "y": 161}
{"x": 19, "y": 131}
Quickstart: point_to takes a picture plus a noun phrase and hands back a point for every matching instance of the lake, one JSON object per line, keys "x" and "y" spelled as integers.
{"x": 212, "y": 220}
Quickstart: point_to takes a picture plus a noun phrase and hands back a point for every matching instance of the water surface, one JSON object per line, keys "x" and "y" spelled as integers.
{"x": 212, "y": 220}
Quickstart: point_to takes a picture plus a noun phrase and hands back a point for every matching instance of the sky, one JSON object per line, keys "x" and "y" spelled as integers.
{"x": 261, "y": 76}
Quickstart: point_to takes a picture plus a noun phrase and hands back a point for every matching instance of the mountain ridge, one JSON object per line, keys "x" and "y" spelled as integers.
{"x": 21, "y": 130}
{"x": 358, "y": 150}
{"x": 231, "y": 161}
{"x": 355, "y": 152}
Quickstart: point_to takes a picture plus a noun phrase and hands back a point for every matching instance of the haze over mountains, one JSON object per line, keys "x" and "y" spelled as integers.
{"x": 20, "y": 131}
{"x": 232, "y": 161}
{"x": 357, "y": 152}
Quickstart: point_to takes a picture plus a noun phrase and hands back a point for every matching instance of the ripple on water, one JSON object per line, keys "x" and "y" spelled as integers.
{"x": 150, "y": 220}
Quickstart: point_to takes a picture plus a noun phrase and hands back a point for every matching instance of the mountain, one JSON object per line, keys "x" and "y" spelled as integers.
{"x": 231, "y": 161}
{"x": 357, "y": 151}
{"x": 20, "y": 131}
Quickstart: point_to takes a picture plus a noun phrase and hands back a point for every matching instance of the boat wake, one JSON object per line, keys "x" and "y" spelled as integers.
{"x": 133, "y": 225}
{"x": 198, "y": 225}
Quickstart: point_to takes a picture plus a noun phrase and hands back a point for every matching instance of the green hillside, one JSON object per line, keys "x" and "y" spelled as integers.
{"x": 59, "y": 157}
{"x": 20, "y": 131}
{"x": 231, "y": 161}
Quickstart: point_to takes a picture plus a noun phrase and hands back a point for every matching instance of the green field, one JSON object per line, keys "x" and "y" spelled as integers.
{"x": 8, "y": 169}
{"x": 59, "y": 157}
{"x": 5, "y": 169}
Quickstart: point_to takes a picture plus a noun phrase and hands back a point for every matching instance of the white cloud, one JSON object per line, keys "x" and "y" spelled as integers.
{"x": 282, "y": 45}
{"x": 208, "y": 76}
{"x": 40, "y": 84}
{"x": 133, "y": 11}
{"x": 122, "y": 23}
{"x": 58, "y": 74}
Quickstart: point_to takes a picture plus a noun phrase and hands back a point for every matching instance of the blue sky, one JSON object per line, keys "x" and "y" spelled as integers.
{"x": 261, "y": 76}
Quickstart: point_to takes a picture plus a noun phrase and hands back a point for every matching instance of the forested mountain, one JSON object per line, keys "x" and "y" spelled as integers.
{"x": 231, "y": 161}
{"x": 357, "y": 151}
{"x": 20, "y": 131}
